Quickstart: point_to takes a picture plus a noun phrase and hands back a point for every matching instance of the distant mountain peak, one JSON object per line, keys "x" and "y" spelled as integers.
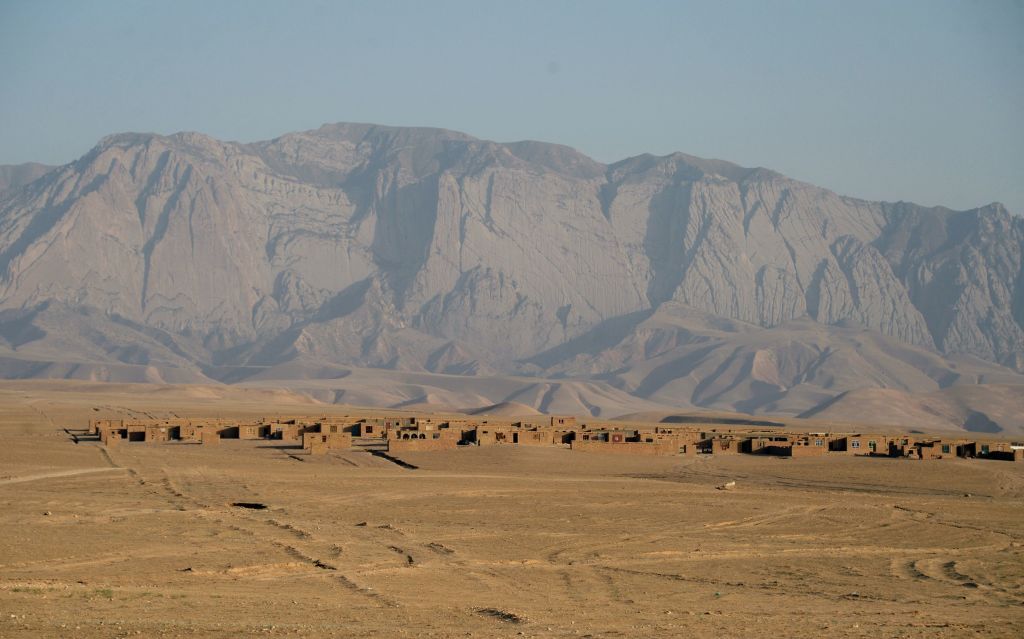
{"x": 16, "y": 175}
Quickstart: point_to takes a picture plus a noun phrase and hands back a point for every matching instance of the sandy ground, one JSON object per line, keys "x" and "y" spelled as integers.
{"x": 143, "y": 540}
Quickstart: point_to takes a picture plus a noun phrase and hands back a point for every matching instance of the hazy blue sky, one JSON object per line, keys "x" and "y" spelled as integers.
{"x": 913, "y": 100}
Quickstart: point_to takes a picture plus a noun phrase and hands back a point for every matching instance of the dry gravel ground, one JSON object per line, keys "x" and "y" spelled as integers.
{"x": 143, "y": 540}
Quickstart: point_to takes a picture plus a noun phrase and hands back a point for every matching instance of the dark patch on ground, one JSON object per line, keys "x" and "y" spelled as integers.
{"x": 393, "y": 460}
{"x": 251, "y": 505}
{"x": 501, "y": 615}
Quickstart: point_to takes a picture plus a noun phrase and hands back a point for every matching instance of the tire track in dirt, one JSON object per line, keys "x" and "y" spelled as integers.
{"x": 264, "y": 529}
{"x": 944, "y": 571}
{"x": 299, "y": 547}
{"x": 933, "y": 518}
{"x": 384, "y": 535}
{"x": 778, "y": 516}
{"x": 55, "y": 474}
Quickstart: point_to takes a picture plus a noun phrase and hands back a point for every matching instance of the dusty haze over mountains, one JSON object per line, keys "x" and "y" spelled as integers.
{"x": 477, "y": 273}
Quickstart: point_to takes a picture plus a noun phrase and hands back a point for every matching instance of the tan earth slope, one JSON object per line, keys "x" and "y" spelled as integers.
{"x": 988, "y": 408}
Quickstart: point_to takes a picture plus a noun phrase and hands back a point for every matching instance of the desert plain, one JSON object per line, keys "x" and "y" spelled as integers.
{"x": 500, "y": 541}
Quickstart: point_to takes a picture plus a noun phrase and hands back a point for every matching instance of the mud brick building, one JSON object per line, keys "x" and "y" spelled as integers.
{"x": 562, "y": 421}
{"x": 289, "y": 431}
{"x": 315, "y": 442}
{"x": 253, "y": 431}
{"x": 938, "y": 449}
{"x": 430, "y": 433}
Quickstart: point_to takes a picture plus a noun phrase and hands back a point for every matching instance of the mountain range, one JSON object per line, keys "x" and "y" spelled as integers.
{"x": 425, "y": 267}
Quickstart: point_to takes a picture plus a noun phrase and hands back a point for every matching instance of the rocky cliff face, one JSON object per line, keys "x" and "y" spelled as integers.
{"x": 425, "y": 249}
